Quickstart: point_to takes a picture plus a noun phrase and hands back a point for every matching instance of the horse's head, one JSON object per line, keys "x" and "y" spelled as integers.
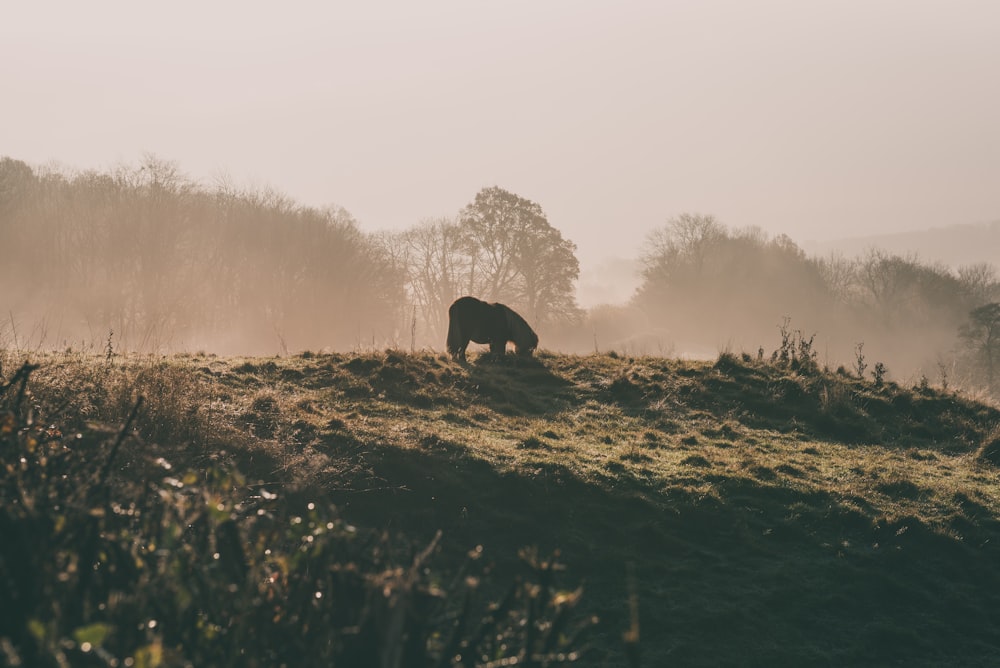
{"x": 527, "y": 343}
{"x": 520, "y": 332}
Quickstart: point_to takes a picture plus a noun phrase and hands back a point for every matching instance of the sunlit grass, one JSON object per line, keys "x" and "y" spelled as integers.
{"x": 729, "y": 484}
{"x": 609, "y": 420}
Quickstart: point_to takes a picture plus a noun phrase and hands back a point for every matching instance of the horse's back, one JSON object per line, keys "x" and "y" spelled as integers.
{"x": 465, "y": 306}
{"x": 473, "y": 319}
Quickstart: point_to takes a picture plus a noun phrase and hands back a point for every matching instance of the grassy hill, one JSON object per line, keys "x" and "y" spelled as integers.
{"x": 769, "y": 513}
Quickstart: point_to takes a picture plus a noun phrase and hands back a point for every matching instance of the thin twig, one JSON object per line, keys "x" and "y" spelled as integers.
{"x": 13, "y": 329}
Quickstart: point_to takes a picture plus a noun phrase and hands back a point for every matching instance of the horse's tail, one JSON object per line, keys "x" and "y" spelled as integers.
{"x": 454, "y": 331}
{"x": 520, "y": 332}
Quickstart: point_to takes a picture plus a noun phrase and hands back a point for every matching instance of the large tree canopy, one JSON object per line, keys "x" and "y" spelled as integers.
{"x": 517, "y": 257}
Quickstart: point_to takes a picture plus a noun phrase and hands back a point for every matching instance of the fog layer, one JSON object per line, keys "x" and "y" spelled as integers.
{"x": 141, "y": 258}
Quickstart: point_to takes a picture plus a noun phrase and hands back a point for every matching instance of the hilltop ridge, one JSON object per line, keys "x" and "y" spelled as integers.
{"x": 774, "y": 513}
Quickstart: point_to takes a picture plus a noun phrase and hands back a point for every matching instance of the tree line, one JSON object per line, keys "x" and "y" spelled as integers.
{"x": 145, "y": 256}
{"x": 151, "y": 260}
{"x": 705, "y": 284}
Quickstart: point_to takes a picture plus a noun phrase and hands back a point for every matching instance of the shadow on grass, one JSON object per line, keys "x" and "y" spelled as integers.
{"x": 518, "y": 386}
{"x": 757, "y": 574}
{"x": 509, "y": 385}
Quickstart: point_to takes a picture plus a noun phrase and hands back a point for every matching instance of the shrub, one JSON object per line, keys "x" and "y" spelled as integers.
{"x": 796, "y": 350}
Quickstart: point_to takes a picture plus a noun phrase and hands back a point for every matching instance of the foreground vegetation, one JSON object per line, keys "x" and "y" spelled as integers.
{"x": 759, "y": 511}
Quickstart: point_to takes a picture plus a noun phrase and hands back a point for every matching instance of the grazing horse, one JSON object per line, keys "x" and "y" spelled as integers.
{"x": 470, "y": 319}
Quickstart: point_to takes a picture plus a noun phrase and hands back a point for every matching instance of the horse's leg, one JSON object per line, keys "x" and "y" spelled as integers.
{"x": 497, "y": 349}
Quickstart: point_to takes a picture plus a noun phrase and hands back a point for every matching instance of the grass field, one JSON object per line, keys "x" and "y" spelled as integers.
{"x": 759, "y": 513}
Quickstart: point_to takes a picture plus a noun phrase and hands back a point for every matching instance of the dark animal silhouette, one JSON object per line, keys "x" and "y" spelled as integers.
{"x": 470, "y": 319}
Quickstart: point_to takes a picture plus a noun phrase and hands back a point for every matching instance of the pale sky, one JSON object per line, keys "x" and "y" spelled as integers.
{"x": 815, "y": 119}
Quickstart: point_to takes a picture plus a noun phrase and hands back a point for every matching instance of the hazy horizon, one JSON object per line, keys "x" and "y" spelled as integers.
{"x": 817, "y": 121}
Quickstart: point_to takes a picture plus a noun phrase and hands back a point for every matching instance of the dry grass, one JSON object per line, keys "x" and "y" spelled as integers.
{"x": 773, "y": 516}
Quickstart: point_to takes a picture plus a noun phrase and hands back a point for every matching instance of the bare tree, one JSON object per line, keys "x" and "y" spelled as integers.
{"x": 982, "y": 336}
{"x": 840, "y": 275}
{"x": 686, "y": 240}
{"x": 980, "y": 279}
{"x": 437, "y": 261}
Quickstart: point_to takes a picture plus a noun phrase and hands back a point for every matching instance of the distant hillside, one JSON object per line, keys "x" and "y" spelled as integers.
{"x": 955, "y": 245}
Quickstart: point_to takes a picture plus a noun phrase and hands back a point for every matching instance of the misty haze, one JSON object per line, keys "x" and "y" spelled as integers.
{"x": 319, "y": 193}
{"x": 483, "y": 334}
{"x": 144, "y": 259}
